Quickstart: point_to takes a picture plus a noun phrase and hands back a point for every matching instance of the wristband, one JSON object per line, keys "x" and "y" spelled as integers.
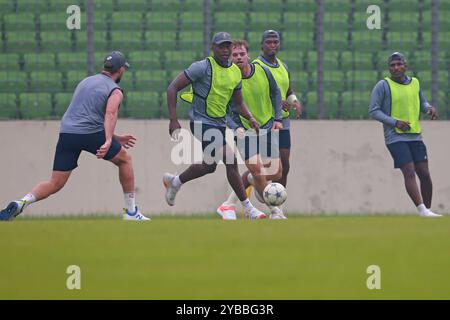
{"x": 291, "y": 99}
{"x": 278, "y": 120}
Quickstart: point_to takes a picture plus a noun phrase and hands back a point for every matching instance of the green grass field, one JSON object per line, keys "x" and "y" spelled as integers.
{"x": 198, "y": 258}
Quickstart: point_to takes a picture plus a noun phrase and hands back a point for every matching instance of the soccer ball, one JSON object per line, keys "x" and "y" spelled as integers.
{"x": 275, "y": 194}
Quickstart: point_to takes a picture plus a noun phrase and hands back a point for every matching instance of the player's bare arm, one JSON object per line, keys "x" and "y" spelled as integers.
{"x": 179, "y": 83}
{"x": 112, "y": 110}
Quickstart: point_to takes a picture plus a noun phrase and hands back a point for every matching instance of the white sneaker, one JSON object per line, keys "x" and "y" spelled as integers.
{"x": 430, "y": 214}
{"x": 254, "y": 214}
{"x": 277, "y": 214}
{"x": 226, "y": 211}
{"x": 134, "y": 216}
{"x": 171, "y": 191}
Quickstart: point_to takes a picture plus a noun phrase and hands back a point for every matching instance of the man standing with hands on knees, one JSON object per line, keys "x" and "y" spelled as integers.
{"x": 397, "y": 102}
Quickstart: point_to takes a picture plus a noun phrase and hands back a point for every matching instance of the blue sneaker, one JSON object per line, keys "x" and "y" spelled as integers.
{"x": 12, "y": 210}
{"x": 134, "y": 216}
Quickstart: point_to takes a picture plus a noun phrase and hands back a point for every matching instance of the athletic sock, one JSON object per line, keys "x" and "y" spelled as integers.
{"x": 130, "y": 201}
{"x": 247, "y": 204}
{"x": 422, "y": 209}
{"x": 28, "y": 199}
{"x": 176, "y": 182}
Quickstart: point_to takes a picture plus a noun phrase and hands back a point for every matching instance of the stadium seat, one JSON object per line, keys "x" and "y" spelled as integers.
{"x": 331, "y": 60}
{"x": 335, "y": 21}
{"x": 337, "y": 6}
{"x": 101, "y": 41}
{"x": 143, "y": 105}
{"x": 294, "y": 20}
{"x": 13, "y": 81}
{"x": 362, "y": 80}
{"x": 36, "y": 105}
{"x": 124, "y": 20}
{"x": 230, "y": 6}
{"x": 10, "y": 61}
{"x": 294, "y": 59}
{"x": 8, "y": 105}
{"x": 191, "y": 20}
{"x": 104, "y": 5}
{"x": 57, "y": 21}
{"x": 404, "y": 6}
{"x": 71, "y": 60}
{"x": 61, "y": 6}
{"x": 353, "y": 60}
{"x": 265, "y": 20}
{"x": 425, "y": 79}
{"x": 161, "y": 21}
{"x": 366, "y": 41}
{"x": 402, "y": 41}
{"x": 332, "y": 80}
{"x": 20, "y": 21}
{"x": 180, "y": 60}
{"x": 57, "y": 41}
{"x": 336, "y": 40}
{"x": 126, "y": 41}
{"x": 39, "y": 61}
{"x": 230, "y": 21}
{"x": 297, "y": 5}
{"x": 7, "y": 6}
{"x": 183, "y": 107}
{"x": 62, "y": 102}
{"x": 163, "y": 40}
{"x": 166, "y": 5}
{"x": 330, "y": 108}
{"x": 156, "y": 80}
{"x": 145, "y": 60}
{"x": 355, "y": 105}
{"x": 73, "y": 78}
{"x": 21, "y": 41}
{"x": 133, "y": 5}
{"x": 295, "y": 40}
{"x": 47, "y": 81}
{"x": 31, "y": 6}
{"x": 190, "y": 40}
{"x": 266, "y": 6}
{"x": 300, "y": 81}
{"x": 403, "y": 21}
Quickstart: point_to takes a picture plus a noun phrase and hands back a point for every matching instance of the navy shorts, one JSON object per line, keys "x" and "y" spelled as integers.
{"x": 406, "y": 152}
{"x": 285, "y": 139}
{"x": 210, "y": 137}
{"x": 70, "y": 145}
{"x": 261, "y": 144}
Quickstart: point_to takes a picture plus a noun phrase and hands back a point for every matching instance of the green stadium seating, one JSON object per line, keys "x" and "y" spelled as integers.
{"x": 183, "y": 107}
{"x": 355, "y": 105}
{"x": 299, "y": 5}
{"x": 8, "y": 105}
{"x": 331, "y": 105}
{"x": 230, "y": 21}
{"x": 265, "y": 20}
{"x": 48, "y": 81}
{"x": 13, "y": 81}
{"x": 57, "y": 41}
{"x": 336, "y": 40}
{"x": 163, "y": 40}
{"x": 143, "y": 105}
{"x": 145, "y": 60}
{"x": 367, "y": 41}
{"x": 10, "y": 61}
{"x": 332, "y": 80}
{"x": 362, "y": 80}
{"x": 230, "y": 6}
{"x": 127, "y": 82}
{"x": 402, "y": 41}
{"x": 39, "y": 61}
{"x": 71, "y": 61}
{"x": 425, "y": 79}
{"x": 165, "y": 5}
{"x": 190, "y": 40}
{"x": 133, "y": 5}
{"x": 31, "y": 6}
{"x": 61, "y": 6}
{"x": 403, "y": 21}
{"x": 266, "y": 6}
{"x": 156, "y": 80}
{"x": 331, "y": 60}
{"x": 337, "y": 6}
{"x": 297, "y": 40}
{"x": 126, "y": 41}
{"x": 73, "y": 78}
{"x": 7, "y": 6}
{"x": 20, "y": 21}
{"x": 180, "y": 60}
{"x": 101, "y": 41}
{"x": 294, "y": 59}
{"x": 161, "y": 21}
{"x": 104, "y": 5}
{"x": 300, "y": 81}
{"x": 62, "y": 102}
{"x": 335, "y": 21}
{"x": 421, "y": 60}
{"x": 36, "y": 105}
{"x": 295, "y": 20}
{"x": 191, "y": 20}
{"x": 21, "y": 41}
{"x": 127, "y": 21}
{"x": 58, "y": 21}
{"x": 351, "y": 60}
{"x": 404, "y": 6}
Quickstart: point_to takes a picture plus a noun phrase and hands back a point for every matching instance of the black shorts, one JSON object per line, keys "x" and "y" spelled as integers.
{"x": 285, "y": 139}
{"x": 261, "y": 144}
{"x": 70, "y": 145}
{"x": 406, "y": 152}
{"x": 216, "y": 135}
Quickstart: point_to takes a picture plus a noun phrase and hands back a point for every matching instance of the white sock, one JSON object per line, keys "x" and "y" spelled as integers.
{"x": 232, "y": 199}
{"x": 130, "y": 201}
{"x": 29, "y": 198}
{"x": 247, "y": 204}
{"x": 422, "y": 209}
{"x": 176, "y": 182}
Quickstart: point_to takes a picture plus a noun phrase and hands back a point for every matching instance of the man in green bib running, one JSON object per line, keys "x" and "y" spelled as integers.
{"x": 215, "y": 81}
{"x": 263, "y": 98}
{"x": 270, "y": 45}
{"x": 397, "y": 102}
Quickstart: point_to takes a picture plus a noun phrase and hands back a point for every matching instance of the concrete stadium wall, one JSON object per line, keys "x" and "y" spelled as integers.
{"x": 337, "y": 167}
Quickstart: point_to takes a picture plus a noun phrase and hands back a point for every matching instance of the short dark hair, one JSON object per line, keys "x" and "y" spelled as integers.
{"x": 240, "y": 43}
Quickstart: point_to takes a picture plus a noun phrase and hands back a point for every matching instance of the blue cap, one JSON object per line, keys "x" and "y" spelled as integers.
{"x": 114, "y": 61}
{"x": 221, "y": 37}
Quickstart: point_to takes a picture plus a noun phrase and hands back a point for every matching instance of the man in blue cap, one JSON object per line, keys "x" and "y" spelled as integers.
{"x": 88, "y": 125}
{"x": 397, "y": 102}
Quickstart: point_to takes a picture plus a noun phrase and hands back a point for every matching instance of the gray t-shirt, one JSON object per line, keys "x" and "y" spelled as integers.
{"x": 380, "y": 109}
{"x": 86, "y": 112}
{"x": 200, "y": 75}
{"x": 234, "y": 121}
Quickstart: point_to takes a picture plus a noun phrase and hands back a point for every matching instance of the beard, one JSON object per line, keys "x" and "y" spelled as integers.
{"x": 118, "y": 80}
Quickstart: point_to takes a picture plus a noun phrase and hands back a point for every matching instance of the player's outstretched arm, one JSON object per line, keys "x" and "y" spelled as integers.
{"x": 112, "y": 110}
{"x": 179, "y": 83}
